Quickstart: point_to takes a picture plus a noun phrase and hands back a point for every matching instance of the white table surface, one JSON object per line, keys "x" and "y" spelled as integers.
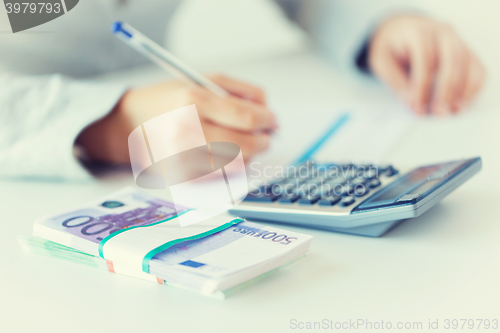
{"x": 442, "y": 265}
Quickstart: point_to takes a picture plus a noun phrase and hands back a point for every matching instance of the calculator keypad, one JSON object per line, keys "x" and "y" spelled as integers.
{"x": 348, "y": 184}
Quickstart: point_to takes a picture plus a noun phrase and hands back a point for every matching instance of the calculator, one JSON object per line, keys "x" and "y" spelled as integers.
{"x": 365, "y": 200}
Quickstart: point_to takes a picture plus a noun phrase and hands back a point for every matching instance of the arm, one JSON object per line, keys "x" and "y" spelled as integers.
{"x": 40, "y": 119}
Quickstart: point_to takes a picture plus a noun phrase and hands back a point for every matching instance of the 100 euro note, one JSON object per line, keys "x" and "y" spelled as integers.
{"x": 209, "y": 264}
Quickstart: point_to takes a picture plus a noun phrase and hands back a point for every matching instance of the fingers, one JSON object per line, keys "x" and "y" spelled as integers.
{"x": 250, "y": 144}
{"x": 448, "y": 61}
{"x": 240, "y": 89}
{"x": 475, "y": 80}
{"x": 452, "y": 75}
{"x": 233, "y": 112}
{"x": 422, "y": 66}
{"x": 461, "y": 77}
{"x": 392, "y": 71}
{"x": 444, "y": 75}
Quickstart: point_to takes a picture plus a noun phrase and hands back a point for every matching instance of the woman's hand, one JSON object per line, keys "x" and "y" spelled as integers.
{"x": 426, "y": 63}
{"x": 241, "y": 118}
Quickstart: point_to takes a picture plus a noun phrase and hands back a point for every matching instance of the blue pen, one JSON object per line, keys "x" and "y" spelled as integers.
{"x": 163, "y": 58}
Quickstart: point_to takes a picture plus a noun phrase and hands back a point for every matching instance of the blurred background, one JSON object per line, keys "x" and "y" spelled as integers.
{"x": 259, "y": 29}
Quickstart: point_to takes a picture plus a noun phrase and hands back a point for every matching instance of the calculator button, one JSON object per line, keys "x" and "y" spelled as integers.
{"x": 326, "y": 189}
{"x": 337, "y": 180}
{"x": 371, "y": 173}
{"x": 277, "y": 181}
{"x": 349, "y": 174}
{"x": 294, "y": 181}
{"x": 283, "y": 182}
{"x": 329, "y": 200}
{"x": 261, "y": 197}
{"x": 306, "y": 189}
{"x": 254, "y": 192}
{"x": 347, "y": 189}
{"x": 308, "y": 199}
{"x": 296, "y": 189}
{"x": 346, "y": 201}
{"x": 374, "y": 183}
{"x": 361, "y": 191}
{"x": 383, "y": 168}
{"x": 288, "y": 198}
{"x": 270, "y": 189}
{"x": 357, "y": 181}
{"x": 337, "y": 189}
{"x": 315, "y": 180}
{"x": 391, "y": 172}
{"x": 264, "y": 188}
{"x": 287, "y": 189}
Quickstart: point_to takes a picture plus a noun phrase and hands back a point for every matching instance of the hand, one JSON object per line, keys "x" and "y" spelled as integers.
{"x": 241, "y": 118}
{"x": 426, "y": 63}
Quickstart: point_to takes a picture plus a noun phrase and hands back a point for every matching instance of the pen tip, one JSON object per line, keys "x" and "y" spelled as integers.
{"x": 116, "y": 27}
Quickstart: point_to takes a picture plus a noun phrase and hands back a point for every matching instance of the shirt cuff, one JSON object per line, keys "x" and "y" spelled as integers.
{"x": 362, "y": 58}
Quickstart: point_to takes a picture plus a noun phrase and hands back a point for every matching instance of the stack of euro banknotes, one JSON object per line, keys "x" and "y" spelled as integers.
{"x": 132, "y": 233}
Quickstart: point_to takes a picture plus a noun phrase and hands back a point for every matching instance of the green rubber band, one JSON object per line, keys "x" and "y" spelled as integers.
{"x": 152, "y": 253}
{"x": 107, "y": 238}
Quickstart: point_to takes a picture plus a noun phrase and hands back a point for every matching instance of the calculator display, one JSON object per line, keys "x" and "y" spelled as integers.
{"x": 414, "y": 182}
{"x": 405, "y": 184}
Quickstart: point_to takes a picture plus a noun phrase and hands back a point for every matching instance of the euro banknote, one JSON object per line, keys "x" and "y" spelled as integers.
{"x": 209, "y": 257}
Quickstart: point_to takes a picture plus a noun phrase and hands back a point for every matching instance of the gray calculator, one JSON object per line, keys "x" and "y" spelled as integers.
{"x": 364, "y": 200}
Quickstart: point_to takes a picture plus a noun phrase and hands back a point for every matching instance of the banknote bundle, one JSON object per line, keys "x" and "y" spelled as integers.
{"x": 132, "y": 233}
